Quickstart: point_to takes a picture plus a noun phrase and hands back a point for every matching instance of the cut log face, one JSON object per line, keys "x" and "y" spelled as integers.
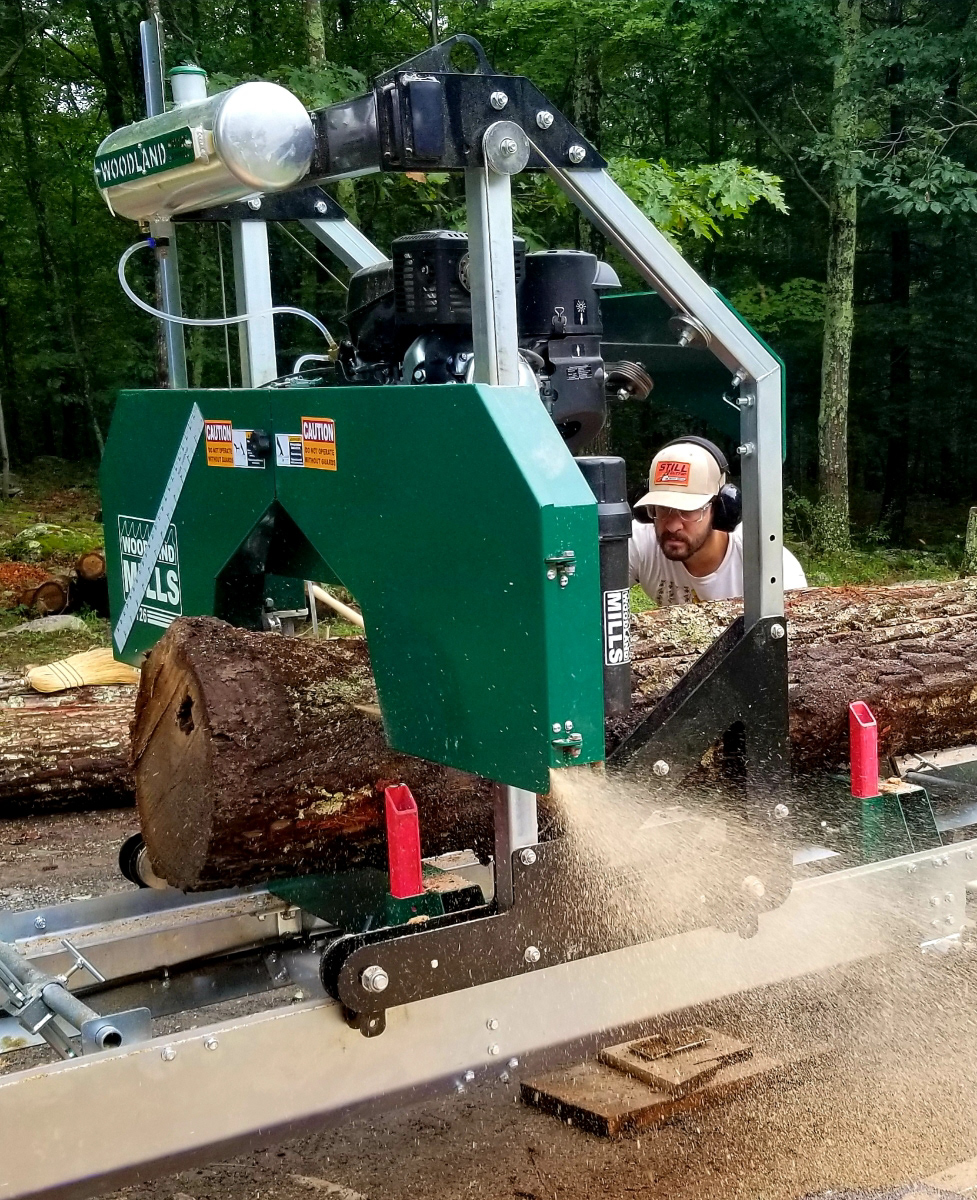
{"x": 257, "y": 756}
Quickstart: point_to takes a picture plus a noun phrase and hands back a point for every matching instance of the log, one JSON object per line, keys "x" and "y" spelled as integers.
{"x": 91, "y": 565}
{"x": 908, "y": 650}
{"x": 256, "y": 756}
{"x": 68, "y": 748}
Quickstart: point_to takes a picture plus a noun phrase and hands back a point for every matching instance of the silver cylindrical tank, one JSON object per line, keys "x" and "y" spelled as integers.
{"x": 256, "y": 137}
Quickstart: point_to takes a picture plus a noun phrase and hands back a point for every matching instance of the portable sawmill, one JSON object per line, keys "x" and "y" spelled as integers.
{"x": 427, "y": 465}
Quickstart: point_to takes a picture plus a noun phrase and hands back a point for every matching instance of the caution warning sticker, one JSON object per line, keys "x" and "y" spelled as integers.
{"x": 219, "y": 440}
{"x": 319, "y": 443}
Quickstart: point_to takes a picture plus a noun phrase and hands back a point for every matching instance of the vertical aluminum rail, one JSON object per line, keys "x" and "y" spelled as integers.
{"x": 252, "y": 288}
{"x": 755, "y": 369}
{"x": 167, "y": 259}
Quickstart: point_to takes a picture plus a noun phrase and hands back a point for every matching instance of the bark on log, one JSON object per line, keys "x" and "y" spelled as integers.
{"x": 70, "y": 747}
{"x": 908, "y": 650}
{"x": 256, "y": 756}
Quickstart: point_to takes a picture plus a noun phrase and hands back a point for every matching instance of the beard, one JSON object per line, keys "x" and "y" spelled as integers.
{"x": 679, "y": 546}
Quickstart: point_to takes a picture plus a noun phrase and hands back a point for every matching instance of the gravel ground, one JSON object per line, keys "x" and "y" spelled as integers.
{"x": 895, "y": 1100}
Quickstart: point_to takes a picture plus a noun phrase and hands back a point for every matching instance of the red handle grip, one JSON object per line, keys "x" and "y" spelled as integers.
{"x": 864, "y": 748}
{"x": 403, "y": 842}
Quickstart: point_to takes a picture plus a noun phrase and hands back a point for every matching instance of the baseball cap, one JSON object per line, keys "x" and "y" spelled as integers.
{"x": 684, "y": 476}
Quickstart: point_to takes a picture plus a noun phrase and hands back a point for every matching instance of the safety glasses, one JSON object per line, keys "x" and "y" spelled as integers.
{"x": 661, "y": 513}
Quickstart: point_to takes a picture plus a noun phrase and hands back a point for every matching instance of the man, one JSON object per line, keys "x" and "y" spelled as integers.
{"x": 689, "y": 546}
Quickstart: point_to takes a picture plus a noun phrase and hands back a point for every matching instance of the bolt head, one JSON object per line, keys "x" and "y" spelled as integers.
{"x": 504, "y": 1077}
{"x": 544, "y": 119}
{"x": 374, "y": 979}
{"x": 660, "y": 768}
{"x": 556, "y": 727}
{"x": 254, "y": 203}
{"x": 469, "y": 1076}
{"x": 577, "y": 154}
{"x": 493, "y": 1049}
{"x": 780, "y": 812}
{"x": 320, "y": 206}
{"x": 513, "y": 1063}
{"x": 777, "y": 631}
{"x": 527, "y": 857}
{"x": 911, "y": 869}
{"x": 419, "y": 375}
{"x": 40, "y": 923}
{"x": 211, "y": 1043}
{"x": 753, "y": 886}
{"x": 508, "y": 146}
{"x": 970, "y": 855}
{"x": 568, "y": 725}
{"x": 491, "y": 1023}
{"x": 551, "y": 574}
{"x": 434, "y": 964}
{"x": 168, "y": 1053}
{"x": 564, "y": 580}
{"x": 531, "y": 954}
{"x": 498, "y": 100}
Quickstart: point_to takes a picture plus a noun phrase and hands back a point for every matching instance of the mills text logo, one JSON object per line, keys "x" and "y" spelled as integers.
{"x": 162, "y": 600}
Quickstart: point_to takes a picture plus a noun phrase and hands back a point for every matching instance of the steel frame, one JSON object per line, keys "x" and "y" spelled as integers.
{"x": 254, "y": 1079}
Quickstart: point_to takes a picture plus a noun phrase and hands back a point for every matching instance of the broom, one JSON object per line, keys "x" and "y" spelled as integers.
{"x": 91, "y": 666}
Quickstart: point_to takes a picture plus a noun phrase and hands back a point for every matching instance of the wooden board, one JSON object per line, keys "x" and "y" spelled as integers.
{"x": 612, "y": 1104}
{"x": 679, "y": 1070}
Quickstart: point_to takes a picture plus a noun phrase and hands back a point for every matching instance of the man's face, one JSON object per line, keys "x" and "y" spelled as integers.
{"x": 681, "y": 534}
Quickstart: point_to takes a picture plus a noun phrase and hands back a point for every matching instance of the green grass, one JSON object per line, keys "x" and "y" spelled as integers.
{"x": 875, "y": 565}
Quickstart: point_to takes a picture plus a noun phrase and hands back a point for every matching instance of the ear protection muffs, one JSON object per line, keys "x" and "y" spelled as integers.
{"x": 727, "y": 505}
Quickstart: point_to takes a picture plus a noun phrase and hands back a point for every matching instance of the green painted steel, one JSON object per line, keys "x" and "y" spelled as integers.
{"x": 453, "y": 513}
{"x": 218, "y": 507}
{"x": 689, "y": 379}
{"x": 444, "y": 505}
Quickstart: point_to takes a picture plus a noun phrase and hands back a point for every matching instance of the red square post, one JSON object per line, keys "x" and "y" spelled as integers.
{"x": 863, "y": 732}
{"x": 403, "y": 842}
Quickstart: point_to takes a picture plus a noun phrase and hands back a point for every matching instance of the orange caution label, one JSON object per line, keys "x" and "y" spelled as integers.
{"x": 319, "y": 443}
{"x": 219, "y": 440}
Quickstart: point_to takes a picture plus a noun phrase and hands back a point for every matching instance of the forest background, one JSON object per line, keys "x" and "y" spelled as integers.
{"x": 815, "y": 159}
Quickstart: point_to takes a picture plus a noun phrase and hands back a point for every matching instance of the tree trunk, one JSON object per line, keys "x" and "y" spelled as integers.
{"x": 66, "y": 747}
{"x": 256, "y": 756}
{"x": 833, "y": 528}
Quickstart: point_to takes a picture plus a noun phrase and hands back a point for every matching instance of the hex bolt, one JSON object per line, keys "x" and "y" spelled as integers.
{"x": 469, "y": 1076}
{"x": 544, "y": 119}
{"x": 660, "y": 768}
{"x": 753, "y": 886}
{"x": 576, "y": 154}
{"x": 568, "y": 725}
{"x": 777, "y": 631}
{"x": 40, "y": 923}
{"x": 419, "y": 375}
{"x": 493, "y": 1049}
{"x": 934, "y": 901}
{"x": 564, "y": 580}
{"x": 321, "y": 206}
{"x": 491, "y": 1023}
{"x": 948, "y": 898}
{"x": 527, "y": 857}
{"x": 780, "y": 812}
{"x": 168, "y": 1053}
{"x": 434, "y": 964}
{"x": 556, "y": 727}
{"x": 508, "y": 147}
{"x": 531, "y": 954}
{"x": 551, "y": 573}
{"x": 745, "y": 449}
{"x": 211, "y": 1043}
{"x": 498, "y": 100}
{"x": 513, "y": 1063}
{"x": 504, "y": 1077}
{"x": 374, "y": 979}
{"x": 911, "y": 869}
{"x": 254, "y": 203}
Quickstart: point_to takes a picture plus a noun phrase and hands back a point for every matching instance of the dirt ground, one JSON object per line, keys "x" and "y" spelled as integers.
{"x": 895, "y": 1100}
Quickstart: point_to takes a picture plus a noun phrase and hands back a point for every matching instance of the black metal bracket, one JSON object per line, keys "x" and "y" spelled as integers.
{"x": 426, "y": 115}
{"x": 557, "y": 917}
{"x": 303, "y": 204}
{"x": 740, "y": 681}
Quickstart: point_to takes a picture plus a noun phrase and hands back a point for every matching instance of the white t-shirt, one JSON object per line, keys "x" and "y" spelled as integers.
{"x": 667, "y": 582}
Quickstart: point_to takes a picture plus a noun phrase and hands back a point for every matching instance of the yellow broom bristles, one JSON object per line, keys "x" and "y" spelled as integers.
{"x": 89, "y": 667}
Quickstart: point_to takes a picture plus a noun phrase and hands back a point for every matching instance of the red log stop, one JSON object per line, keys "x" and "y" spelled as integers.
{"x": 403, "y": 842}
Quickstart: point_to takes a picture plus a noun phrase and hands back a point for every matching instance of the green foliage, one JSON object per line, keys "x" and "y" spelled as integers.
{"x": 695, "y": 200}
{"x": 797, "y": 304}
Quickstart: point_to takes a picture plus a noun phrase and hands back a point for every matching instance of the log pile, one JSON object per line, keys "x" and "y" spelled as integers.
{"x": 255, "y": 756}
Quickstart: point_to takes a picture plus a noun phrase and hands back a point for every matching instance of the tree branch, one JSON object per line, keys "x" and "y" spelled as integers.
{"x": 779, "y": 144}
